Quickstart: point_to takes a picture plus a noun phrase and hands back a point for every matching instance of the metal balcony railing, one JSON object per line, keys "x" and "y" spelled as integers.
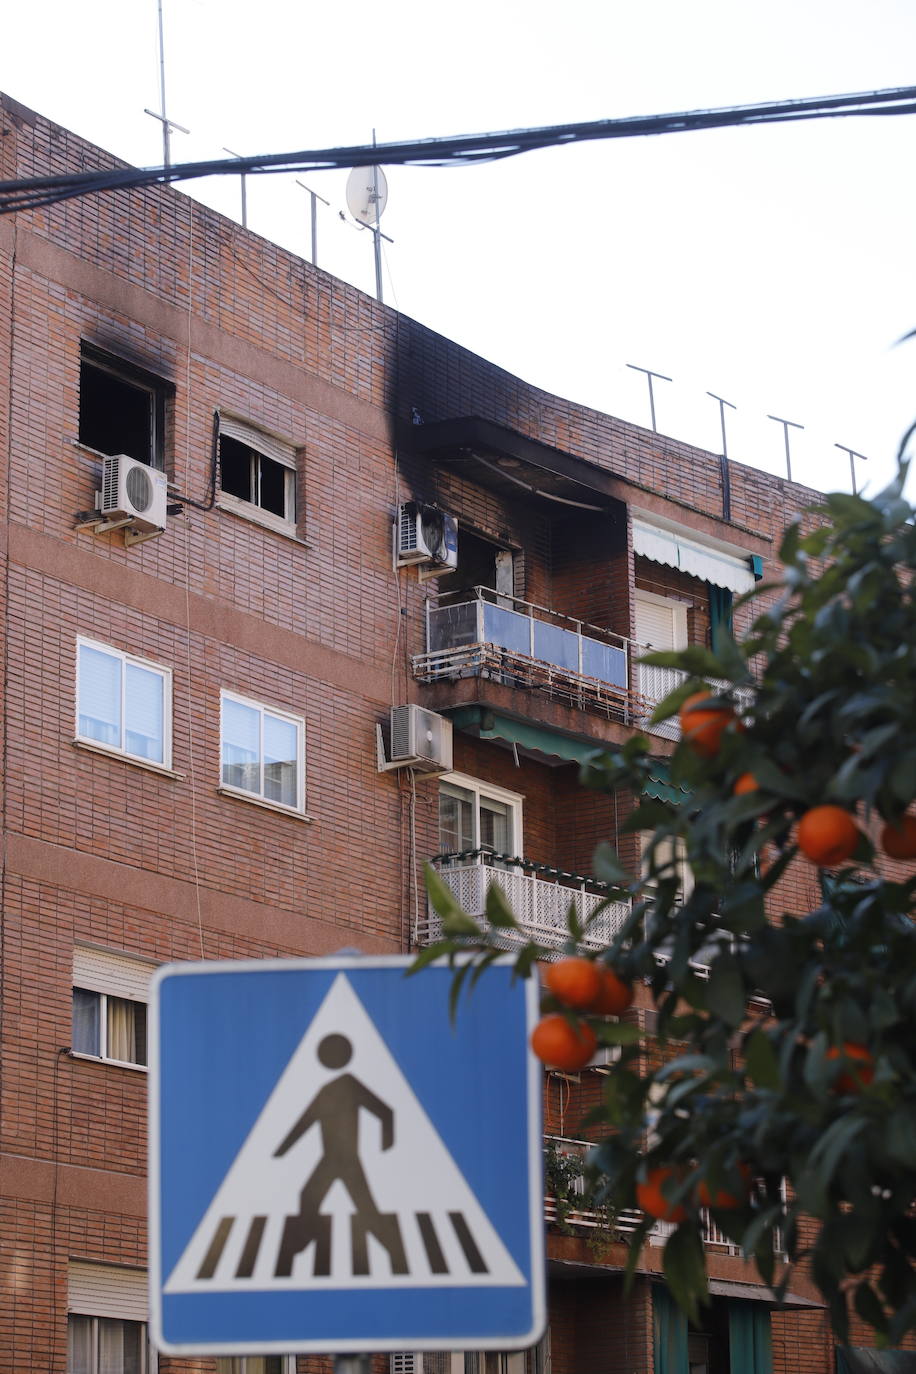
{"x": 539, "y": 896}
{"x": 525, "y": 645}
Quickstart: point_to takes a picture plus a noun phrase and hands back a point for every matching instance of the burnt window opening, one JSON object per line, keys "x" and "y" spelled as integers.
{"x": 481, "y": 563}
{"x": 122, "y": 409}
{"x": 249, "y": 474}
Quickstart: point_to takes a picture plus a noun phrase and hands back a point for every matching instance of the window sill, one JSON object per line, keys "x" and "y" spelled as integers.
{"x": 254, "y": 800}
{"x": 246, "y": 510}
{"x": 147, "y": 765}
{"x": 112, "y": 1063}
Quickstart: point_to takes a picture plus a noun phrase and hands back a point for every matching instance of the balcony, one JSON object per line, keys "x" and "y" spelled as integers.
{"x": 523, "y": 645}
{"x": 591, "y": 1217}
{"x": 539, "y": 896}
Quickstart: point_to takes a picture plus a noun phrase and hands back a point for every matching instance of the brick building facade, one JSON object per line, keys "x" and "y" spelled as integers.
{"x": 189, "y": 722}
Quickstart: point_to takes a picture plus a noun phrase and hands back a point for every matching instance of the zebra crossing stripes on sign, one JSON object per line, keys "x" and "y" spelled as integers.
{"x": 337, "y": 1166}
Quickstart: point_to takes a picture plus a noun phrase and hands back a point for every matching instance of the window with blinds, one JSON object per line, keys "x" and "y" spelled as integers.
{"x": 106, "y": 1320}
{"x": 263, "y": 752}
{"x": 123, "y": 704}
{"x": 109, "y": 1006}
{"x": 257, "y": 475}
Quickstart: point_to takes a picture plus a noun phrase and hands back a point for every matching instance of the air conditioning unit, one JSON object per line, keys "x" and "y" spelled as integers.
{"x": 604, "y": 1057}
{"x": 420, "y": 739}
{"x": 427, "y": 535}
{"x": 133, "y": 493}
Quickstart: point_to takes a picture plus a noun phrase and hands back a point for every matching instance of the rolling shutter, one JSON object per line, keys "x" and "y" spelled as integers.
{"x": 107, "y": 1290}
{"x": 98, "y": 970}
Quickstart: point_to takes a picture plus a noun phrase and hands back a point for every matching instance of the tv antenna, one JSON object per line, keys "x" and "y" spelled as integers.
{"x": 786, "y": 426}
{"x": 367, "y": 196}
{"x": 314, "y": 198}
{"x": 853, "y": 455}
{"x": 649, "y": 375}
{"x": 167, "y": 124}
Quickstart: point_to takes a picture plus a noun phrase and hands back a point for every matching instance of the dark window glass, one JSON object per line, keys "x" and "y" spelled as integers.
{"x": 235, "y": 468}
{"x": 117, "y": 415}
{"x": 273, "y": 488}
{"x": 85, "y": 1022}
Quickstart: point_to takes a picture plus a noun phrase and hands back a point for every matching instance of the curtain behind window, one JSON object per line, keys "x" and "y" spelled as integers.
{"x": 100, "y": 696}
{"x": 669, "y": 1333}
{"x": 749, "y": 1338}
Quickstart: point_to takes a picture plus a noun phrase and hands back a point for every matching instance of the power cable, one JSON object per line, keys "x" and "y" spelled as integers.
{"x": 460, "y": 149}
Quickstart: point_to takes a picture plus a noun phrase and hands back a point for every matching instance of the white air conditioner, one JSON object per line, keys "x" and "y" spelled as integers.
{"x": 427, "y": 535}
{"x": 604, "y": 1057}
{"x": 133, "y": 493}
{"x": 420, "y": 739}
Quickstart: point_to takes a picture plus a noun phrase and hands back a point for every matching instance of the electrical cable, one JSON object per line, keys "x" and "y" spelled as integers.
{"x": 462, "y": 149}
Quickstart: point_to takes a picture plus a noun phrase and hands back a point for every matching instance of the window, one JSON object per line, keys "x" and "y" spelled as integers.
{"x": 257, "y": 475}
{"x": 123, "y": 703}
{"x": 473, "y": 815}
{"x": 257, "y": 1364}
{"x": 109, "y": 1006}
{"x": 262, "y": 752}
{"x": 106, "y": 1320}
{"x": 122, "y": 408}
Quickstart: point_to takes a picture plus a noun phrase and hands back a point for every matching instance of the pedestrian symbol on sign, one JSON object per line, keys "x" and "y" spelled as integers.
{"x": 356, "y": 1189}
{"x": 335, "y": 1109}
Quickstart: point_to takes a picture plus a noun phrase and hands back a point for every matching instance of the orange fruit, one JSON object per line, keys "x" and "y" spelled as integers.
{"x": 652, "y": 1200}
{"x": 746, "y": 783}
{"x": 703, "y": 723}
{"x": 827, "y": 835}
{"x": 615, "y": 995}
{"x": 561, "y": 1045}
{"x": 862, "y": 1071}
{"x": 721, "y": 1198}
{"x": 899, "y": 841}
{"x": 574, "y": 982}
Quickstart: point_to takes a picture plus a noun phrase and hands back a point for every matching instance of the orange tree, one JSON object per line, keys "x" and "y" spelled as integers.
{"x": 809, "y": 1130}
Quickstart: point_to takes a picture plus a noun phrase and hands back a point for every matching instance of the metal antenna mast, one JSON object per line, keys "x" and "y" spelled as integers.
{"x": 726, "y": 480}
{"x": 650, "y": 375}
{"x": 785, "y": 429}
{"x": 852, "y": 462}
{"x": 167, "y": 124}
{"x": 242, "y": 179}
{"x": 313, "y": 217}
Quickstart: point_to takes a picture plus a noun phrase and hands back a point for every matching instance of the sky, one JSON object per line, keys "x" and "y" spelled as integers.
{"x": 773, "y": 266}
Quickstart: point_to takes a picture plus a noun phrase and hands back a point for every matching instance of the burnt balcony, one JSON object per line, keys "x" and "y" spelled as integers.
{"x": 517, "y": 643}
{"x": 538, "y": 895}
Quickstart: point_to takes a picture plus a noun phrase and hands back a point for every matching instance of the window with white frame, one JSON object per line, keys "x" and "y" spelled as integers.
{"x": 474, "y": 815}
{"x": 110, "y": 993}
{"x": 263, "y": 752}
{"x": 257, "y": 1364}
{"x": 257, "y": 475}
{"x": 123, "y": 703}
{"x": 106, "y": 1320}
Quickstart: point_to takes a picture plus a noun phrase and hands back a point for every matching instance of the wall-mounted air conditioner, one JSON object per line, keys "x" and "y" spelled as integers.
{"x": 133, "y": 495}
{"x": 428, "y": 536}
{"x": 417, "y": 739}
{"x": 604, "y": 1057}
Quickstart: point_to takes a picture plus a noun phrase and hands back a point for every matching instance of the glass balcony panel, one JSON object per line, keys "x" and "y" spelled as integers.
{"x": 552, "y": 644}
{"x": 604, "y": 661}
{"x": 451, "y": 627}
{"x": 508, "y": 629}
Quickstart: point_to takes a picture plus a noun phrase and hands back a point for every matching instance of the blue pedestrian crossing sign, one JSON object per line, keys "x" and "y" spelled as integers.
{"x": 337, "y": 1165}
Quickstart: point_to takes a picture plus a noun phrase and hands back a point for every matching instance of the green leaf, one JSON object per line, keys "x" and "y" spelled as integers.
{"x": 868, "y": 1305}
{"x": 760, "y": 1058}
{"x": 498, "y": 911}
{"x": 685, "y": 1270}
{"x": 607, "y": 867}
{"x": 726, "y": 995}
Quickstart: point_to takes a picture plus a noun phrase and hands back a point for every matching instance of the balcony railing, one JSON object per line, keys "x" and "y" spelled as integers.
{"x": 521, "y": 644}
{"x": 539, "y": 896}
{"x": 626, "y": 1222}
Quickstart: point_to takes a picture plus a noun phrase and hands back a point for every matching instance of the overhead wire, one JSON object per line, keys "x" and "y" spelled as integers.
{"x": 463, "y": 149}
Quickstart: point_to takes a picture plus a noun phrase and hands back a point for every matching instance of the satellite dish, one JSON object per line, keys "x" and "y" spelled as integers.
{"x": 367, "y": 194}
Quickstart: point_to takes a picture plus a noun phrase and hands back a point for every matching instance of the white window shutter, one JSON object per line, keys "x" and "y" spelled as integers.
{"x": 107, "y": 1290}
{"x": 267, "y": 444}
{"x": 120, "y": 975}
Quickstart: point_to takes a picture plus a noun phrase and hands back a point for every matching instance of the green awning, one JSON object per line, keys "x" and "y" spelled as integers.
{"x": 662, "y": 788}
{"x": 538, "y": 738}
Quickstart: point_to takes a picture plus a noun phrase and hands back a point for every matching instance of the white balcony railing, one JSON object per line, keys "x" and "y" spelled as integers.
{"x": 540, "y": 904}
{"x": 628, "y": 1221}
